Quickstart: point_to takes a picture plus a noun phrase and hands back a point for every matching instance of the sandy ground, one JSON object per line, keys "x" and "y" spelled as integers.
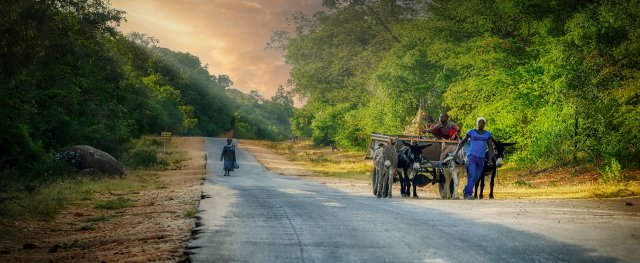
{"x": 155, "y": 229}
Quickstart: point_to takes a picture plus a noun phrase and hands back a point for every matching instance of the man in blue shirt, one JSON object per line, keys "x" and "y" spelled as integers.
{"x": 480, "y": 140}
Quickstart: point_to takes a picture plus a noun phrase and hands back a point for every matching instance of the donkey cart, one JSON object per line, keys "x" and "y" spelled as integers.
{"x": 430, "y": 168}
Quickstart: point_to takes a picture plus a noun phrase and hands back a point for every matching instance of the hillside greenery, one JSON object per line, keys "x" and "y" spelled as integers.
{"x": 559, "y": 78}
{"x": 68, "y": 77}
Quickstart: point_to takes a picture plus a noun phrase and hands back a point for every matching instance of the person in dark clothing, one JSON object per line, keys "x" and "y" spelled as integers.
{"x": 229, "y": 157}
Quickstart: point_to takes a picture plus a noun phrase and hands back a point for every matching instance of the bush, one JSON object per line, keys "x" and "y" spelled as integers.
{"x": 612, "y": 172}
{"x": 144, "y": 158}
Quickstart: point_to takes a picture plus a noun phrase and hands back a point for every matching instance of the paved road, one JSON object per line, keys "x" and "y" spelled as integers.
{"x": 258, "y": 216}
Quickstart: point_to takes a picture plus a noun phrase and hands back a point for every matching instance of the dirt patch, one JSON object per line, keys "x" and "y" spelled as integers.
{"x": 156, "y": 228}
{"x": 273, "y": 161}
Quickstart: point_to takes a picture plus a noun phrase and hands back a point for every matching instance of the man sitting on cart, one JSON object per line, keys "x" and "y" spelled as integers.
{"x": 444, "y": 129}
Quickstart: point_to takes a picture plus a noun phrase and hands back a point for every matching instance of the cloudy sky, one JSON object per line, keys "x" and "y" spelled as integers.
{"x": 228, "y": 35}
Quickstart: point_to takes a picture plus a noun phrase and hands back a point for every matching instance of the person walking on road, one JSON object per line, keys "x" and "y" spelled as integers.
{"x": 480, "y": 139}
{"x": 229, "y": 157}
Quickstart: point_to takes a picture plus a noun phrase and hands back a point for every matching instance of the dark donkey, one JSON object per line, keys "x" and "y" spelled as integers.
{"x": 498, "y": 149}
{"x": 409, "y": 159}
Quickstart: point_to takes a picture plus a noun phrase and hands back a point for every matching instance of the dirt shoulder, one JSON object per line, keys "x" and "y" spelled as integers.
{"x": 282, "y": 165}
{"x": 156, "y": 228}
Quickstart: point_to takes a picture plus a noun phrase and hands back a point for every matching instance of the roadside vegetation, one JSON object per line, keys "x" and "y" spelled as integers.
{"x": 322, "y": 160}
{"x": 561, "y": 78}
{"x": 583, "y": 181}
{"x": 44, "y": 199}
{"x": 96, "y": 217}
{"x": 68, "y": 77}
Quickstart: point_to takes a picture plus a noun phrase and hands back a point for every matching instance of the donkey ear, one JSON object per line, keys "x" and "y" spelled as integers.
{"x": 508, "y": 144}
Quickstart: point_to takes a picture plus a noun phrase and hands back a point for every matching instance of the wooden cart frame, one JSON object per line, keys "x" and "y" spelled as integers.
{"x": 433, "y": 155}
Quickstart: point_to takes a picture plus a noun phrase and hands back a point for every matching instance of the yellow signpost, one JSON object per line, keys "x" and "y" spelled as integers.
{"x": 165, "y": 137}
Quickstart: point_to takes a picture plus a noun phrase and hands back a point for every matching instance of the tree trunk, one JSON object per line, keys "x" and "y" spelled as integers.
{"x": 418, "y": 123}
{"x": 575, "y": 139}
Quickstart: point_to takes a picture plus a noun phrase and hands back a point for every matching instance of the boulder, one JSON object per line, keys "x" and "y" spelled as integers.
{"x": 84, "y": 157}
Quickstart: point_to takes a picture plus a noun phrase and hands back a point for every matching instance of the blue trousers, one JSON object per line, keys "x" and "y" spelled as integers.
{"x": 474, "y": 168}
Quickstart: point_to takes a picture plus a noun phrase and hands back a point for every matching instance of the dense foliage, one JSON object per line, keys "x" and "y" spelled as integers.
{"x": 560, "y": 78}
{"x": 68, "y": 77}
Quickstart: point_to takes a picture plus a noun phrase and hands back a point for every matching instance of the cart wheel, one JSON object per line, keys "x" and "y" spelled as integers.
{"x": 374, "y": 180}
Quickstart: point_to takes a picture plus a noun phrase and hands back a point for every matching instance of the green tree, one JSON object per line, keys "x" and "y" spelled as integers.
{"x": 559, "y": 78}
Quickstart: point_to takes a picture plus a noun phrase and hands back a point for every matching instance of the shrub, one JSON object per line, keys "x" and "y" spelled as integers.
{"x": 191, "y": 213}
{"x": 144, "y": 158}
{"x": 612, "y": 172}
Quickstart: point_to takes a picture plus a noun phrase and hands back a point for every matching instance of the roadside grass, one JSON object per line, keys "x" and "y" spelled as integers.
{"x": 583, "y": 181}
{"x": 19, "y": 200}
{"x": 570, "y": 182}
{"x": 323, "y": 161}
{"x": 49, "y": 199}
{"x": 149, "y": 153}
{"x": 191, "y": 213}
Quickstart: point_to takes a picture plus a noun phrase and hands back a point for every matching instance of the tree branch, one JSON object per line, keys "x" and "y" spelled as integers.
{"x": 381, "y": 22}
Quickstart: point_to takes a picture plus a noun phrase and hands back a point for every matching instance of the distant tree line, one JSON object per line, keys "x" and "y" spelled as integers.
{"x": 560, "y": 78}
{"x": 68, "y": 77}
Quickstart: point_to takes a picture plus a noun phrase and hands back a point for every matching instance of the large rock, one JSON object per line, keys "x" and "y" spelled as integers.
{"x": 85, "y": 157}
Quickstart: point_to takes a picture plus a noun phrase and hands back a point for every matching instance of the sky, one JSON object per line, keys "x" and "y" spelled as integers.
{"x": 228, "y": 35}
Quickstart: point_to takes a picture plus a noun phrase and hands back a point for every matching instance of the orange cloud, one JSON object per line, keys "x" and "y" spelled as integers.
{"x": 228, "y": 35}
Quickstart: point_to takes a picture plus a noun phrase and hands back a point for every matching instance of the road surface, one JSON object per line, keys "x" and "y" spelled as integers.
{"x": 257, "y": 216}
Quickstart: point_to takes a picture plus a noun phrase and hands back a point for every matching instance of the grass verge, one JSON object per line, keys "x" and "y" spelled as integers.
{"x": 191, "y": 213}
{"x": 19, "y": 199}
{"x": 323, "y": 161}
